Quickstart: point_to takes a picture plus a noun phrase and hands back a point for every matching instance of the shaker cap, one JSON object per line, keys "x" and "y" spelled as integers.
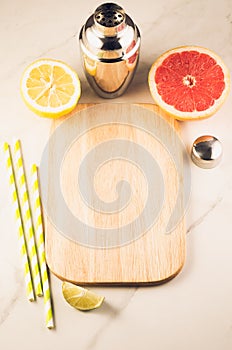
{"x": 109, "y": 19}
{"x": 110, "y": 34}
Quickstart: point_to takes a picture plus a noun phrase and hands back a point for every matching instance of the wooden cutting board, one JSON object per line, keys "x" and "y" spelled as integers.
{"x": 112, "y": 188}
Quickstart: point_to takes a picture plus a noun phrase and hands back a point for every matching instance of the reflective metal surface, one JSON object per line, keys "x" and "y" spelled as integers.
{"x": 206, "y": 151}
{"x": 109, "y": 44}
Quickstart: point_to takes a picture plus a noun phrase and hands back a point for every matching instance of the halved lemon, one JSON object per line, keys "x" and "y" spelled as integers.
{"x": 50, "y": 88}
{"x": 81, "y": 298}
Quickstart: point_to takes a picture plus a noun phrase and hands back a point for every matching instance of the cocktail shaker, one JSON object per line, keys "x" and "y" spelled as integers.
{"x": 109, "y": 44}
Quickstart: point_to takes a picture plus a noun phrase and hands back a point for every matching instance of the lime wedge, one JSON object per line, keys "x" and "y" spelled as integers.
{"x": 81, "y": 298}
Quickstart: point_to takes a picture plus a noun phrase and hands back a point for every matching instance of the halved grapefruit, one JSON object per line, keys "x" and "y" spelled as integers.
{"x": 189, "y": 82}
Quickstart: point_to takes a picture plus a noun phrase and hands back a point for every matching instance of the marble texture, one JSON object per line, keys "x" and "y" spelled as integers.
{"x": 192, "y": 311}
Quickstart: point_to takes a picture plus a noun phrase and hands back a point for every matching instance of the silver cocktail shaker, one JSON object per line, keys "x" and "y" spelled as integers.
{"x": 109, "y": 44}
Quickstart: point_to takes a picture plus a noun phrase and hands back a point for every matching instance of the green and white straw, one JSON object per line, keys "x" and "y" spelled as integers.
{"x": 39, "y": 230}
{"x": 27, "y": 218}
{"x": 16, "y": 205}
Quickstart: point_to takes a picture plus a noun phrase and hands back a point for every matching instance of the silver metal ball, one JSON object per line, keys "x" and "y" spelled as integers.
{"x": 206, "y": 151}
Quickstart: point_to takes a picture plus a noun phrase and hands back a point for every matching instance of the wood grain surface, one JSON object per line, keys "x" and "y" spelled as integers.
{"x": 153, "y": 256}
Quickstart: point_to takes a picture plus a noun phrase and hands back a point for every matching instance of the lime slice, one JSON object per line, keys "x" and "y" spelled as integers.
{"x": 81, "y": 298}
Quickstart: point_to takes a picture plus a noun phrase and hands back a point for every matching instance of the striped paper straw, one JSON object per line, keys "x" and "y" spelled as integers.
{"x": 22, "y": 242}
{"x": 27, "y": 219}
{"x": 37, "y": 211}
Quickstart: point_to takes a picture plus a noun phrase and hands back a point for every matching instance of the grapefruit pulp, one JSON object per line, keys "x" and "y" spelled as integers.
{"x": 189, "y": 82}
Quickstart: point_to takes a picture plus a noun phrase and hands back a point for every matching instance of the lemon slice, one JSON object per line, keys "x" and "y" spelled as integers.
{"x": 81, "y": 298}
{"x": 50, "y": 88}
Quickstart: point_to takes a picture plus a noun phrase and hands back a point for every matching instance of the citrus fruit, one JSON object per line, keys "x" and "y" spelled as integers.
{"x": 81, "y": 298}
{"x": 189, "y": 82}
{"x": 50, "y": 88}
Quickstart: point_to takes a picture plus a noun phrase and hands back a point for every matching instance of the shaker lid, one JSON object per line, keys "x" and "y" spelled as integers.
{"x": 109, "y": 15}
{"x": 110, "y": 34}
{"x": 109, "y": 19}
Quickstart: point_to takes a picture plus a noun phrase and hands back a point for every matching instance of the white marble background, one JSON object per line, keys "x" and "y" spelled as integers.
{"x": 193, "y": 311}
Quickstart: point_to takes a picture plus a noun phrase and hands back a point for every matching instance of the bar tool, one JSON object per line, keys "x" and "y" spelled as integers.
{"x": 109, "y": 45}
{"x": 206, "y": 151}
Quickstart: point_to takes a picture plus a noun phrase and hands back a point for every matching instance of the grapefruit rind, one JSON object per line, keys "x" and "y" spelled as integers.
{"x": 172, "y": 111}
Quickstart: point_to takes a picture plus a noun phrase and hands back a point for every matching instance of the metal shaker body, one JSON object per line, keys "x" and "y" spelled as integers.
{"x": 109, "y": 44}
